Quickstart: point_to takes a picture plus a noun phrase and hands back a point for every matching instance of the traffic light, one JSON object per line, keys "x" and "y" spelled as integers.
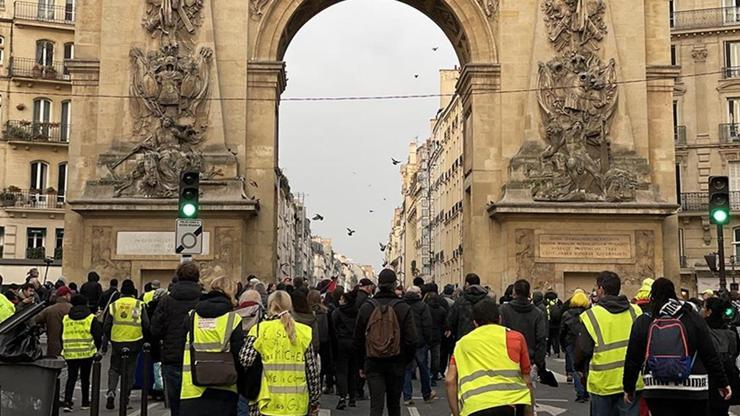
{"x": 189, "y": 194}
{"x": 719, "y": 200}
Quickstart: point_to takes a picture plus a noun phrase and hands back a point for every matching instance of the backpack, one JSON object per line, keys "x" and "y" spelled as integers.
{"x": 667, "y": 357}
{"x": 383, "y": 332}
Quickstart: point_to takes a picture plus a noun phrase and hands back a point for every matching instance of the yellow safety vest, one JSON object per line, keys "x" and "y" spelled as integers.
{"x": 77, "y": 340}
{"x": 486, "y": 376}
{"x": 211, "y": 335}
{"x": 148, "y": 297}
{"x": 126, "y": 313}
{"x": 611, "y": 334}
{"x": 7, "y": 309}
{"x": 284, "y": 389}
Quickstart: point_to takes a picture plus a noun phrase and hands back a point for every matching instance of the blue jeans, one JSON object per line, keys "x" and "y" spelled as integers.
{"x": 580, "y": 389}
{"x": 420, "y": 361}
{"x": 242, "y": 409}
{"x": 172, "y": 375}
{"x": 614, "y": 405}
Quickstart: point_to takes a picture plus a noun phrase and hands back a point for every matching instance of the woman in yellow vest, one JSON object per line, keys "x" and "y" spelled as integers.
{"x": 82, "y": 336}
{"x": 215, "y": 323}
{"x": 489, "y": 372}
{"x": 291, "y": 384}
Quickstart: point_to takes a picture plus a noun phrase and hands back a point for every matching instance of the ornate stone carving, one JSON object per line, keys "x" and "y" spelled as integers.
{"x": 102, "y": 252}
{"x": 577, "y": 94}
{"x": 257, "y": 8}
{"x": 224, "y": 257}
{"x": 699, "y": 54}
{"x": 169, "y": 89}
{"x": 490, "y": 7}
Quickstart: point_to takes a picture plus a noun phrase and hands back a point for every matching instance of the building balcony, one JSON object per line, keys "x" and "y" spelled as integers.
{"x": 36, "y": 132}
{"x": 679, "y": 135}
{"x": 699, "y": 201}
{"x": 705, "y": 18}
{"x": 22, "y": 199}
{"x": 45, "y": 14}
{"x": 731, "y": 72}
{"x": 36, "y": 253}
{"x": 729, "y": 133}
{"x": 30, "y": 69}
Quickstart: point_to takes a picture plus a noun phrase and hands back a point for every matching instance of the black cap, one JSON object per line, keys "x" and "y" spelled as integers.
{"x": 364, "y": 282}
{"x": 387, "y": 277}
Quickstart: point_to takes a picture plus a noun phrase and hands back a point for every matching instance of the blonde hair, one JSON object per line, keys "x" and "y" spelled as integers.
{"x": 579, "y": 300}
{"x": 225, "y": 286}
{"x": 279, "y": 306}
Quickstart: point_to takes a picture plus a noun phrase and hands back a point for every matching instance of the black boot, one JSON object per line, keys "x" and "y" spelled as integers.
{"x": 342, "y": 404}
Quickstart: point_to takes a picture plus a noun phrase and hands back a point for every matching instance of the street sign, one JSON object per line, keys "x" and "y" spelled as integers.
{"x": 189, "y": 237}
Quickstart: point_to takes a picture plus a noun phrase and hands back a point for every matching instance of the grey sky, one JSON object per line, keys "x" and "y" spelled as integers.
{"x": 339, "y": 153}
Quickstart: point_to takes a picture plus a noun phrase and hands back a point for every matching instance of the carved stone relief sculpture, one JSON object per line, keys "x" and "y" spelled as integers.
{"x": 577, "y": 95}
{"x": 169, "y": 89}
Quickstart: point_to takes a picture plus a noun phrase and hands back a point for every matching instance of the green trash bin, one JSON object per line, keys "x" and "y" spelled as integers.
{"x": 29, "y": 388}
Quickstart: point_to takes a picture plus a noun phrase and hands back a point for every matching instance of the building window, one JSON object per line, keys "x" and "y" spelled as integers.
{"x": 733, "y": 171}
{"x": 732, "y": 59}
{"x": 731, "y": 12}
{"x": 44, "y": 52}
{"x": 69, "y": 10}
{"x": 39, "y": 175}
{"x": 681, "y": 247}
{"x": 671, "y": 12}
{"x": 59, "y": 237}
{"x": 674, "y": 55}
{"x": 69, "y": 53}
{"x": 66, "y": 121}
{"x": 41, "y": 118}
{"x": 35, "y": 243}
{"x": 62, "y": 182}
{"x": 2, "y": 241}
{"x": 736, "y": 242}
{"x": 733, "y": 118}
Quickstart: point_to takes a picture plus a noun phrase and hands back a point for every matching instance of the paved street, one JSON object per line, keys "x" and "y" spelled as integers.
{"x": 551, "y": 401}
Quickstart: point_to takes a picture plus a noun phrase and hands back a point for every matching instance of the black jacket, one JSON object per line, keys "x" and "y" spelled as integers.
{"x": 584, "y": 347}
{"x": 110, "y": 292}
{"x": 344, "y": 321}
{"x": 570, "y": 326}
{"x": 699, "y": 341}
{"x": 522, "y": 316}
{"x": 81, "y": 312}
{"x": 93, "y": 292}
{"x": 460, "y": 318}
{"x": 439, "y": 308}
{"x": 422, "y": 318}
{"x": 168, "y": 323}
{"x": 409, "y": 337}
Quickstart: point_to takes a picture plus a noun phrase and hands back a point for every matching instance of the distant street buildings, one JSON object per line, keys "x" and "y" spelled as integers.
{"x": 426, "y": 232}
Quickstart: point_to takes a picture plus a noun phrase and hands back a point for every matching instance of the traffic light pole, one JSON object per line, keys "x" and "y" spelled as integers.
{"x": 721, "y": 255}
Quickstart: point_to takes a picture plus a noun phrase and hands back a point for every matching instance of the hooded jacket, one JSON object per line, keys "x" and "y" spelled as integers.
{"x": 309, "y": 319}
{"x": 699, "y": 340}
{"x": 344, "y": 320}
{"x": 570, "y": 326}
{"x": 584, "y": 348}
{"x": 422, "y": 318}
{"x": 460, "y": 318}
{"x": 168, "y": 323}
{"x": 523, "y": 316}
{"x": 439, "y": 308}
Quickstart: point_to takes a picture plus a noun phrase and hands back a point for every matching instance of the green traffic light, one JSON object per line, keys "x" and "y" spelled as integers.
{"x": 720, "y": 216}
{"x": 189, "y": 210}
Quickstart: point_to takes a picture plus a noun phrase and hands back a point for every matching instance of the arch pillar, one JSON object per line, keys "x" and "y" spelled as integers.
{"x": 483, "y": 168}
{"x": 266, "y": 81}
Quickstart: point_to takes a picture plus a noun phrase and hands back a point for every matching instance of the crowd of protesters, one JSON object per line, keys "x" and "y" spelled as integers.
{"x": 612, "y": 345}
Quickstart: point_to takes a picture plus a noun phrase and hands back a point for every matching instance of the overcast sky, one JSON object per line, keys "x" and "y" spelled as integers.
{"x": 339, "y": 154}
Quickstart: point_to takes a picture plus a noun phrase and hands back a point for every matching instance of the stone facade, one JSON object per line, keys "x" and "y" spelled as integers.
{"x": 35, "y": 114}
{"x": 596, "y": 160}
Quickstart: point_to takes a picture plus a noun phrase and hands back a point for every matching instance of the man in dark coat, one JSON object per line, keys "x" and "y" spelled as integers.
{"x": 385, "y": 375}
{"x": 109, "y": 296}
{"x": 423, "y": 321}
{"x": 92, "y": 290}
{"x": 460, "y": 318}
{"x": 168, "y": 326}
{"x": 522, "y": 316}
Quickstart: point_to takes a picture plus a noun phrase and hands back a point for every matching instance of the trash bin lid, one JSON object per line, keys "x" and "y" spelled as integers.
{"x": 48, "y": 363}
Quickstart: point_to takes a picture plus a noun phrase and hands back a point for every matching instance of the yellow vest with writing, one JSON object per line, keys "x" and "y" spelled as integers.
{"x": 77, "y": 340}
{"x": 284, "y": 389}
{"x": 126, "y": 313}
{"x": 486, "y": 376}
{"x": 211, "y": 335}
{"x": 611, "y": 334}
{"x": 7, "y": 309}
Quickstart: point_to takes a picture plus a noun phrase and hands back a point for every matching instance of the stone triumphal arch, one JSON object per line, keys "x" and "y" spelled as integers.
{"x": 568, "y": 154}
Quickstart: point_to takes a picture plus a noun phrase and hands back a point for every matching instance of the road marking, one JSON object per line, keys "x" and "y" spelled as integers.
{"x": 413, "y": 411}
{"x": 553, "y": 400}
{"x": 150, "y": 407}
{"x": 554, "y": 411}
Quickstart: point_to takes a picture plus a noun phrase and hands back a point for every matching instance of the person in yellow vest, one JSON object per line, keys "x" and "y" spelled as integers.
{"x": 291, "y": 383}
{"x": 82, "y": 336}
{"x": 7, "y": 308}
{"x": 149, "y": 295}
{"x": 489, "y": 372}
{"x": 126, "y": 322}
{"x": 217, "y": 328}
{"x": 603, "y": 343}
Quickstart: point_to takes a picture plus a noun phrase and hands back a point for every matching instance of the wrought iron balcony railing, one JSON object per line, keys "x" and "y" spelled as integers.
{"x": 730, "y": 72}
{"x": 705, "y": 18}
{"x": 36, "y": 253}
{"x": 679, "y": 134}
{"x": 729, "y": 133}
{"x": 31, "y": 199}
{"x": 45, "y": 13}
{"x": 699, "y": 201}
{"x": 30, "y": 68}
{"x": 31, "y": 131}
